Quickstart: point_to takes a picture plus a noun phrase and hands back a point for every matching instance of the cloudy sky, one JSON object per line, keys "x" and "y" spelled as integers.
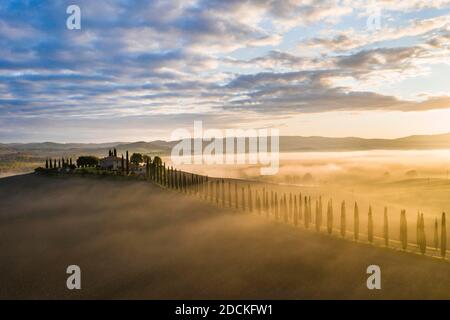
{"x": 139, "y": 69}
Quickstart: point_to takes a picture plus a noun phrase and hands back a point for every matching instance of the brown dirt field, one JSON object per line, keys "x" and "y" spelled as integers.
{"x": 135, "y": 240}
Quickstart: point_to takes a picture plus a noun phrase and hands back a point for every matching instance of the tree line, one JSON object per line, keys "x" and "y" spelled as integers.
{"x": 296, "y": 208}
{"x": 289, "y": 208}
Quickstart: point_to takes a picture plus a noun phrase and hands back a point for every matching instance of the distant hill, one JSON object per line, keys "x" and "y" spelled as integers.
{"x": 424, "y": 142}
{"x": 287, "y": 144}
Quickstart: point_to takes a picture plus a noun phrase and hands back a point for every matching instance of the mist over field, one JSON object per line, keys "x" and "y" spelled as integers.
{"x": 133, "y": 239}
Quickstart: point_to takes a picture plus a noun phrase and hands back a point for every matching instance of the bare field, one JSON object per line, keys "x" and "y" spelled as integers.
{"x": 135, "y": 240}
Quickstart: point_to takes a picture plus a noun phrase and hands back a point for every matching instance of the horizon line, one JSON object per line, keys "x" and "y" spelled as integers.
{"x": 294, "y": 136}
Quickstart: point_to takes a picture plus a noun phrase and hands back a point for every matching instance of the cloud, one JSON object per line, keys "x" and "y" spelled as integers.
{"x": 184, "y": 57}
{"x": 344, "y": 40}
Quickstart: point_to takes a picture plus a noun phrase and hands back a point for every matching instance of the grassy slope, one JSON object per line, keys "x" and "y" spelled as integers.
{"x": 134, "y": 240}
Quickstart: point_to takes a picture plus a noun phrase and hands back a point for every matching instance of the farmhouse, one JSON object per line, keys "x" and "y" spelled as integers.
{"x": 111, "y": 163}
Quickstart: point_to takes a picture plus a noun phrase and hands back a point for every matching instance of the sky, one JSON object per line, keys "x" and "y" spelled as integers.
{"x": 138, "y": 70}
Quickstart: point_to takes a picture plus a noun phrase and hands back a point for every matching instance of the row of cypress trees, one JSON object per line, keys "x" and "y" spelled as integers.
{"x": 171, "y": 178}
{"x": 57, "y": 163}
{"x": 294, "y": 208}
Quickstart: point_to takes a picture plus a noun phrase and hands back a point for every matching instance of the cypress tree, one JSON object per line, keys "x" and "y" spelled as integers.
{"x": 229, "y": 194}
{"x": 284, "y": 208}
{"x": 272, "y": 203}
{"x": 217, "y": 191}
{"x": 295, "y": 211}
{"x": 188, "y": 183}
{"x": 309, "y": 210}
{"x": 169, "y": 177}
{"x": 174, "y": 178}
{"x": 330, "y": 217}
{"x": 386, "y": 227}
{"x": 264, "y": 198}
{"x": 443, "y": 236}
{"x": 211, "y": 191}
{"x": 223, "y": 193}
{"x": 305, "y": 209}
{"x": 290, "y": 206}
{"x": 46, "y": 163}
{"x": 59, "y": 163}
{"x": 370, "y": 226}
{"x": 319, "y": 216}
{"x": 201, "y": 187}
{"x": 423, "y": 237}
{"x": 50, "y": 163}
{"x": 317, "y": 219}
{"x": 127, "y": 165}
{"x": 54, "y": 164}
{"x": 418, "y": 230}
{"x": 403, "y": 230}
{"x": 258, "y": 202}
{"x": 250, "y": 199}
{"x": 165, "y": 175}
{"x": 158, "y": 173}
{"x": 236, "y": 205}
{"x": 306, "y": 217}
{"x": 436, "y": 234}
{"x": 70, "y": 161}
{"x": 152, "y": 170}
{"x": 356, "y": 222}
{"x": 147, "y": 169}
{"x": 276, "y": 205}
{"x": 300, "y": 207}
{"x": 343, "y": 219}
{"x": 320, "y": 210}
{"x": 196, "y": 185}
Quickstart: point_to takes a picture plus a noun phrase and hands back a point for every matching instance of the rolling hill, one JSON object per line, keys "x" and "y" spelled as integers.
{"x": 287, "y": 144}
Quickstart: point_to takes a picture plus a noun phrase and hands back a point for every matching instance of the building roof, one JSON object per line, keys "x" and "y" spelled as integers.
{"x": 111, "y": 158}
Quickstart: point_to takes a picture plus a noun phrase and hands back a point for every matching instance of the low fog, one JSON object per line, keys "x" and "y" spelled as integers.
{"x": 415, "y": 180}
{"x": 135, "y": 240}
